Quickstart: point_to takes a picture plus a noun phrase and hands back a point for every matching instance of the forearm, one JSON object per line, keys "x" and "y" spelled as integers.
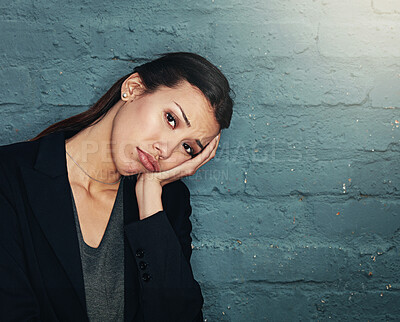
{"x": 161, "y": 245}
{"x": 167, "y": 283}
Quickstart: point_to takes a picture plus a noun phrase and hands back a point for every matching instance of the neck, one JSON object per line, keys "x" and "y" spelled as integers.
{"x": 91, "y": 149}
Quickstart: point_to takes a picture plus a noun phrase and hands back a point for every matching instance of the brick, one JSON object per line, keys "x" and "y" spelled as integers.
{"x": 39, "y": 42}
{"x": 346, "y": 11}
{"x": 378, "y": 266}
{"x": 310, "y": 133}
{"x": 59, "y": 87}
{"x": 15, "y": 122}
{"x": 235, "y": 218}
{"x": 19, "y": 123}
{"x": 376, "y": 305}
{"x": 381, "y": 178}
{"x": 386, "y": 6}
{"x": 259, "y": 10}
{"x": 17, "y": 87}
{"x": 265, "y": 262}
{"x": 353, "y": 218}
{"x": 284, "y": 39}
{"x": 298, "y": 302}
{"x": 232, "y": 302}
{"x": 16, "y": 9}
{"x": 386, "y": 89}
{"x": 306, "y": 79}
{"x": 359, "y": 40}
{"x": 287, "y": 176}
{"x": 126, "y": 42}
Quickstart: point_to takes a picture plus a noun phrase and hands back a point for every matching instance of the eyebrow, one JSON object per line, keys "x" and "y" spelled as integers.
{"x": 183, "y": 115}
{"x": 199, "y": 144}
{"x": 188, "y": 124}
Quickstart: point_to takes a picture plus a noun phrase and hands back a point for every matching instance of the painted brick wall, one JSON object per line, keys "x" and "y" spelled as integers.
{"x": 298, "y": 216}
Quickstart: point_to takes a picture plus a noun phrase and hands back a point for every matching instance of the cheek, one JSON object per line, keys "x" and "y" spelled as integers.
{"x": 142, "y": 120}
{"x": 137, "y": 124}
{"x": 147, "y": 122}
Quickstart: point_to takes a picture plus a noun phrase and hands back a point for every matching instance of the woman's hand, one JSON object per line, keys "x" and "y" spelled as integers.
{"x": 149, "y": 185}
{"x": 187, "y": 168}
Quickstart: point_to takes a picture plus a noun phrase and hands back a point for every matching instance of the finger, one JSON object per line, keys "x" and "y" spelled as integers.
{"x": 203, "y": 155}
{"x": 213, "y": 152}
{"x": 176, "y": 173}
{"x": 208, "y": 154}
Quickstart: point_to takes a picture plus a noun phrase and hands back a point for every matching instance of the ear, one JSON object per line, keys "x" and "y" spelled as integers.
{"x": 131, "y": 87}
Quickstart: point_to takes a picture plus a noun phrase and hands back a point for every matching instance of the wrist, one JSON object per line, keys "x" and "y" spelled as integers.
{"x": 148, "y": 195}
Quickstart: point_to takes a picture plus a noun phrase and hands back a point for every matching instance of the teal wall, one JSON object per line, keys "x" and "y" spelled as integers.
{"x": 298, "y": 216}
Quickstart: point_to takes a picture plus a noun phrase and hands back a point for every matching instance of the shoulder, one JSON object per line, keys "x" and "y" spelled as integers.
{"x": 11, "y": 157}
{"x": 19, "y": 153}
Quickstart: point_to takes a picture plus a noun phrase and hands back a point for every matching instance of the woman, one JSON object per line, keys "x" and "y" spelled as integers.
{"x": 94, "y": 219}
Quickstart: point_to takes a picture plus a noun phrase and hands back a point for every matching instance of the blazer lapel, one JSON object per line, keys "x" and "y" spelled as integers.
{"x": 48, "y": 191}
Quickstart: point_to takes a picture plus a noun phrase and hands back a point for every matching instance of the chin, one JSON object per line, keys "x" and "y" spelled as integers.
{"x": 127, "y": 168}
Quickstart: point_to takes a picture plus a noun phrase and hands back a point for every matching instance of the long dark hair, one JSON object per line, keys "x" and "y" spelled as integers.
{"x": 168, "y": 70}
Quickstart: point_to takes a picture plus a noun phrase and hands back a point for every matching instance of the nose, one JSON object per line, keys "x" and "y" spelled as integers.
{"x": 164, "y": 149}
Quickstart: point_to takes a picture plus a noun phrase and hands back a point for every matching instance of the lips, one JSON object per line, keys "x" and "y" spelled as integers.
{"x": 148, "y": 161}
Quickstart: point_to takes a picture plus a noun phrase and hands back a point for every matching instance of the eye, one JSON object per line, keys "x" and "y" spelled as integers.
{"x": 188, "y": 149}
{"x": 171, "y": 120}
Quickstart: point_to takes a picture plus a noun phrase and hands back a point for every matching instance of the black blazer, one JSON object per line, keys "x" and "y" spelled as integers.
{"x": 41, "y": 275}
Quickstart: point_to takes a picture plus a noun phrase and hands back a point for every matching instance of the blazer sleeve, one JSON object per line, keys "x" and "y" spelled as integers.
{"x": 17, "y": 299}
{"x": 162, "y": 249}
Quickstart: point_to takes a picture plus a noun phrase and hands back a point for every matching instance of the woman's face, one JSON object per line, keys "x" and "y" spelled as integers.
{"x": 158, "y": 131}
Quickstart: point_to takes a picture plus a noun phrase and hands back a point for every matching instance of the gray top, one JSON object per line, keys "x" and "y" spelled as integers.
{"x": 103, "y": 267}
